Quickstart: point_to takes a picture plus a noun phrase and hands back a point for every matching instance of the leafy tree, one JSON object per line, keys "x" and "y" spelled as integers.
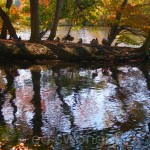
{"x": 86, "y": 11}
{"x": 115, "y": 28}
{"x": 89, "y": 10}
{"x": 81, "y": 12}
{"x": 123, "y": 19}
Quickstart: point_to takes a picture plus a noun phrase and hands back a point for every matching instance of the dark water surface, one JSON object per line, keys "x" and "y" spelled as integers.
{"x": 75, "y": 107}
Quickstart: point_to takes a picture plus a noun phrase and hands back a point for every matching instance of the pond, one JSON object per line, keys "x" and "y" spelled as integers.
{"x": 75, "y": 107}
{"x": 86, "y": 33}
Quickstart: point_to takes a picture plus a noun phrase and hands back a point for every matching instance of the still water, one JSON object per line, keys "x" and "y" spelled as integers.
{"x": 75, "y": 107}
{"x": 86, "y": 33}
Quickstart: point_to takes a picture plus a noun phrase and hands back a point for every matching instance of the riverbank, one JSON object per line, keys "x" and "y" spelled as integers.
{"x": 70, "y": 52}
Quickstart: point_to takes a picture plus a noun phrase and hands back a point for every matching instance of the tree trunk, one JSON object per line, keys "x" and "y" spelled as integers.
{"x": 3, "y": 32}
{"x": 4, "y": 29}
{"x": 35, "y": 31}
{"x": 115, "y": 29}
{"x": 9, "y": 3}
{"x": 146, "y": 45}
{"x": 56, "y": 20}
{"x": 8, "y": 24}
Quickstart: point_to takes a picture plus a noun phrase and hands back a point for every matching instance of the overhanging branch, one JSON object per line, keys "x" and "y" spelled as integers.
{"x": 136, "y": 32}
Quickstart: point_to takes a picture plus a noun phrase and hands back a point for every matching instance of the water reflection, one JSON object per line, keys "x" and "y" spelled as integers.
{"x": 24, "y": 95}
{"x": 79, "y": 108}
{"x": 2, "y": 94}
{"x": 87, "y": 102}
{"x": 52, "y": 111}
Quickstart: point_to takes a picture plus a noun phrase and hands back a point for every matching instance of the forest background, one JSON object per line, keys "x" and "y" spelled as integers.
{"x": 123, "y": 17}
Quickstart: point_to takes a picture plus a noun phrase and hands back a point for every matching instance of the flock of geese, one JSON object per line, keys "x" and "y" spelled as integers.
{"x": 70, "y": 38}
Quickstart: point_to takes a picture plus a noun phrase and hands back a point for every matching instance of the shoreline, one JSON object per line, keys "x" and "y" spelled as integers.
{"x": 67, "y": 51}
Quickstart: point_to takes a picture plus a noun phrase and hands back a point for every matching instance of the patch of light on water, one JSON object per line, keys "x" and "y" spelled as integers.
{"x": 86, "y": 111}
{"x": 53, "y": 116}
{"x": 24, "y": 95}
{"x": 135, "y": 85}
{"x": 25, "y": 35}
{"x": 89, "y": 111}
{"x": 23, "y": 78}
{"x": 124, "y": 69}
{"x": 77, "y": 104}
{"x": 7, "y": 111}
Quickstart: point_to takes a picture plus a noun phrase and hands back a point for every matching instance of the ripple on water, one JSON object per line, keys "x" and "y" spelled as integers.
{"x": 104, "y": 111}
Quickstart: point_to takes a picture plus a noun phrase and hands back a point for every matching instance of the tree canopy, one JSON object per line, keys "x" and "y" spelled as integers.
{"x": 122, "y": 16}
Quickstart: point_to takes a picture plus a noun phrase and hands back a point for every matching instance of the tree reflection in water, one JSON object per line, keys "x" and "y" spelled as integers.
{"x": 72, "y": 108}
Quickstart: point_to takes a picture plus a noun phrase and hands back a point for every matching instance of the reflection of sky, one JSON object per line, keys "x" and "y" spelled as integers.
{"x": 89, "y": 111}
{"x": 52, "y": 113}
{"x": 24, "y": 95}
{"x": 7, "y": 109}
{"x": 89, "y": 108}
{"x": 132, "y": 78}
{"x": 92, "y": 106}
{"x": 134, "y": 84}
{"x": 97, "y": 108}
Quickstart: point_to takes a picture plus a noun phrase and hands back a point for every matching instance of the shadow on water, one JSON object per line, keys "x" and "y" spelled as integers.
{"x": 75, "y": 107}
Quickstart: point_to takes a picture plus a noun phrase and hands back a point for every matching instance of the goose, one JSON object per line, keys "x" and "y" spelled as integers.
{"x": 94, "y": 42}
{"x": 105, "y": 42}
{"x": 68, "y": 38}
{"x": 80, "y": 41}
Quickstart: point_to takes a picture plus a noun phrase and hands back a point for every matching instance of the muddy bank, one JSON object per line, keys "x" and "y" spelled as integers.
{"x": 72, "y": 52}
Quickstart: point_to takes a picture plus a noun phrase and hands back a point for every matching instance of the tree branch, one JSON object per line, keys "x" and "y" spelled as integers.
{"x": 82, "y": 8}
{"x": 134, "y": 31}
